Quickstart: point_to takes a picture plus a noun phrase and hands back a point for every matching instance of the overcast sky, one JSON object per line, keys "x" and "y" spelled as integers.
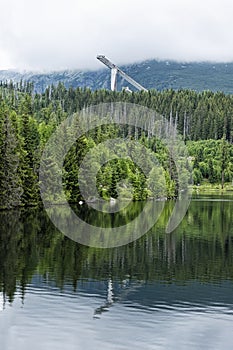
{"x": 57, "y": 34}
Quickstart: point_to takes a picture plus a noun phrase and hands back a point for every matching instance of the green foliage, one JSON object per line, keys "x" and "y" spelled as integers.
{"x": 215, "y": 162}
{"x": 27, "y": 120}
{"x": 10, "y": 182}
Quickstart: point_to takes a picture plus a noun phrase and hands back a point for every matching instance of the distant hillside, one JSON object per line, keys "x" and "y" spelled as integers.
{"x": 151, "y": 74}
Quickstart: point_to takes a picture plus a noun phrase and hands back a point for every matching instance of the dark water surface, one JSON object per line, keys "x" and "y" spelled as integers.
{"x": 163, "y": 291}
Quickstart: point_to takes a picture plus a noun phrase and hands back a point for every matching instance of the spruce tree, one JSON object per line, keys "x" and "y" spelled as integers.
{"x": 10, "y": 183}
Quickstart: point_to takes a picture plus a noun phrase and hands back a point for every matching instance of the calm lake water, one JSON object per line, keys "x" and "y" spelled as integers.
{"x": 163, "y": 291}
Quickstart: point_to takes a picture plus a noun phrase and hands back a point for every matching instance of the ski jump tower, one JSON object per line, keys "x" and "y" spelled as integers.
{"x": 116, "y": 70}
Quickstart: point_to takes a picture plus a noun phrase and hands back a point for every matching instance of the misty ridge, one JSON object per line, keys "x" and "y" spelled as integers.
{"x": 152, "y": 74}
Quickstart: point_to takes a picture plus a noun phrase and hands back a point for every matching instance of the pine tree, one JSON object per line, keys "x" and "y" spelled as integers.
{"x": 29, "y": 161}
{"x": 224, "y": 159}
{"x": 10, "y": 183}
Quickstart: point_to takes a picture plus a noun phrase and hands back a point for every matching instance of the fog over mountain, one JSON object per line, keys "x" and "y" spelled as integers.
{"x": 151, "y": 74}
{"x": 68, "y": 34}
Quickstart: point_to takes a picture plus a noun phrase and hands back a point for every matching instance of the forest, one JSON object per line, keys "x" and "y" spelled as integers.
{"x": 204, "y": 121}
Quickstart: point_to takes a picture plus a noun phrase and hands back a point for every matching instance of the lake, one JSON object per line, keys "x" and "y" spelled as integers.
{"x": 162, "y": 291}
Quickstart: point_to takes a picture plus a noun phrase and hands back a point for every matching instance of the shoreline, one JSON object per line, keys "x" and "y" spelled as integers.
{"x": 213, "y": 188}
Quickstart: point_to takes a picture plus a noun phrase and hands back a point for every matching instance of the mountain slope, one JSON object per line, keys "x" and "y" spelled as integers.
{"x": 151, "y": 74}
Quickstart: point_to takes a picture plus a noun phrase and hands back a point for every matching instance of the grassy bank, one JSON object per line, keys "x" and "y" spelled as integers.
{"x": 217, "y": 188}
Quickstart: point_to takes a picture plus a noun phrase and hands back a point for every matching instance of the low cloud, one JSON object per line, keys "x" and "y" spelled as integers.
{"x": 53, "y": 35}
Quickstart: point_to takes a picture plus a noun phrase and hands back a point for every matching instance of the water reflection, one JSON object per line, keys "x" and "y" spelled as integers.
{"x": 163, "y": 291}
{"x": 200, "y": 249}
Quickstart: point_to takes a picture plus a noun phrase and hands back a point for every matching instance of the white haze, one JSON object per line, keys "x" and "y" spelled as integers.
{"x": 53, "y": 35}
